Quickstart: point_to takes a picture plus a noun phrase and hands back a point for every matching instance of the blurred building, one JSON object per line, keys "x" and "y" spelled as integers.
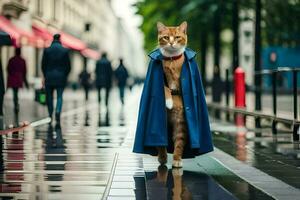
{"x": 88, "y": 28}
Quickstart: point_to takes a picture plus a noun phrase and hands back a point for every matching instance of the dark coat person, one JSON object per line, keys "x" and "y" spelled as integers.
{"x": 16, "y": 76}
{"x": 56, "y": 67}
{"x": 16, "y": 71}
{"x": 121, "y": 75}
{"x": 104, "y": 75}
{"x": 85, "y": 81}
{"x": 56, "y": 64}
{"x": 104, "y": 72}
{"x": 152, "y": 130}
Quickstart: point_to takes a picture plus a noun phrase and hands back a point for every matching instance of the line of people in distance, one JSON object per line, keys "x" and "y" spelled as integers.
{"x": 104, "y": 77}
{"x": 56, "y": 66}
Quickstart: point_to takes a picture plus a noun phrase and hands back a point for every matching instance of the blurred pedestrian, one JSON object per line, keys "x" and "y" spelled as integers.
{"x": 104, "y": 74}
{"x": 16, "y": 72}
{"x": 85, "y": 81}
{"x": 121, "y": 75}
{"x": 56, "y": 67}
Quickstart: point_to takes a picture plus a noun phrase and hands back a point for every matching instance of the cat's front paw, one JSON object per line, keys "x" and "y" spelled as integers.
{"x": 169, "y": 104}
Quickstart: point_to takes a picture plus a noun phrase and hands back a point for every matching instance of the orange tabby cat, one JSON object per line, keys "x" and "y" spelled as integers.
{"x": 172, "y": 42}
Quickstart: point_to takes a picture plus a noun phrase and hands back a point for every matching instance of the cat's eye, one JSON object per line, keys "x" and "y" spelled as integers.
{"x": 166, "y": 37}
{"x": 177, "y": 37}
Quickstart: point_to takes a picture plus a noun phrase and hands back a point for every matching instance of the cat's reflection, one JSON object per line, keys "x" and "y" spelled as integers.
{"x": 179, "y": 189}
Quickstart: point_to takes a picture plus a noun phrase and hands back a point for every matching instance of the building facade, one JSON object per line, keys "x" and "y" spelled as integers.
{"x": 92, "y": 21}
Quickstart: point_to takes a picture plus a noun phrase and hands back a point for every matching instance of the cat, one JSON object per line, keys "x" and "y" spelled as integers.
{"x": 172, "y": 43}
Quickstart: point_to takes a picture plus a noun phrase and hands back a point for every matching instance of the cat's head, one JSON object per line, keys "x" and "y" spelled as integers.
{"x": 172, "y": 40}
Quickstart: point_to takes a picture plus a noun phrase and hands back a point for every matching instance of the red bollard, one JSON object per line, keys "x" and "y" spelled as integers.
{"x": 239, "y": 88}
{"x": 239, "y": 94}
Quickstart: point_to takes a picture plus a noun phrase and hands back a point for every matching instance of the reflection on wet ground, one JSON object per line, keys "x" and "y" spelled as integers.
{"x": 53, "y": 162}
{"x": 183, "y": 185}
{"x": 275, "y": 155}
{"x": 89, "y": 157}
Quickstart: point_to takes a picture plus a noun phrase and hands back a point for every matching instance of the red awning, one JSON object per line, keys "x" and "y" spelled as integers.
{"x": 72, "y": 42}
{"x": 44, "y": 34}
{"x": 67, "y": 40}
{"x": 19, "y": 36}
{"x": 90, "y": 53}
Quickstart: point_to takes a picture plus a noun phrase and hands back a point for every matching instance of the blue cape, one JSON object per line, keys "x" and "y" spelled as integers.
{"x": 152, "y": 129}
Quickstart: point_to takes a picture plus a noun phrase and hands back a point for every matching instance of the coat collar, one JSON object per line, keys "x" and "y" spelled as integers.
{"x": 157, "y": 55}
{"x": 56, "y": 42}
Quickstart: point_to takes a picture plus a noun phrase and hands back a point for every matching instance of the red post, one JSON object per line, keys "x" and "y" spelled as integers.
{"x": 239, "y": 94}
{"x": 239, "y": 88}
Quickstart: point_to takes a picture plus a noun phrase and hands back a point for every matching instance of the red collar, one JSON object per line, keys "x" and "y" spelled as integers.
{"x": 172, "y": 58}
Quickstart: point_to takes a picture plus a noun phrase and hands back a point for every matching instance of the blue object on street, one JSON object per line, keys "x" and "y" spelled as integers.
{"x": 152, "y": 120}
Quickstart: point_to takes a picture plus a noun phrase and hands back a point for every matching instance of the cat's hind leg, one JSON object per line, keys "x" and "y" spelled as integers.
{"x": 179, "y": 137}
{"x": 162, "y": 155}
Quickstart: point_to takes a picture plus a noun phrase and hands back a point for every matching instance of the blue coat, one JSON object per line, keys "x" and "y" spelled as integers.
{"x": 152, "y": 130}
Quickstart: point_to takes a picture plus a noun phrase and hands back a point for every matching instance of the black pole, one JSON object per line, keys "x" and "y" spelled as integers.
{"x": 216, "y": 82}
{"x": 227, "y": 91}
{"x": 274, "y": 94}
{"x": 217, "y": 42}
{"x": 257, "y": 52}
{"x": 235, "y": 28}
{"x": 295, "y": 94}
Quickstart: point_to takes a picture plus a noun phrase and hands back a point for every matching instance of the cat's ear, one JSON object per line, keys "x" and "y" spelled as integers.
{"x": 183, "y": 27}
{"x": 160, "y": 27}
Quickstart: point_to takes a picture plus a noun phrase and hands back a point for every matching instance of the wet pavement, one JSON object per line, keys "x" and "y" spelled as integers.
{"x": 89, "y": 157}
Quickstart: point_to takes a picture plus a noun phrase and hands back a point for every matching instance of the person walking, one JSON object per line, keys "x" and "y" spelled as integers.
{"x": 121, "y": 75}
{"x": 56, "y": 66}
{"x": 16, "y": 71}
{"x": 104, "y": 74}
{"x": 85, "y": 81}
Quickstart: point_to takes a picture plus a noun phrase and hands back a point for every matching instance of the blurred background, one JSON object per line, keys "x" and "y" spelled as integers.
{"x": 253, "y": 34}
{"x": 260, "y": 38}
{"x": 88, "y": 28}
{"x": 222, "y": 31}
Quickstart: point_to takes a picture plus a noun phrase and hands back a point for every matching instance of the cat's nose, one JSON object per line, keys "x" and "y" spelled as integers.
{"x": 171, "y": 40}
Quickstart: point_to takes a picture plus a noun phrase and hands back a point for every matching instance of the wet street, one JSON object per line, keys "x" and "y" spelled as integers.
{"x": 90, "y": 157}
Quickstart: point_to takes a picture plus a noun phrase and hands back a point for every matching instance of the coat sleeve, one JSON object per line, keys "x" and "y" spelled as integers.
{"x": 142, "y": 116}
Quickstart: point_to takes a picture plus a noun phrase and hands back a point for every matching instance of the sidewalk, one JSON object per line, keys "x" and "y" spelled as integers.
{"x": 90, "y": 157}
